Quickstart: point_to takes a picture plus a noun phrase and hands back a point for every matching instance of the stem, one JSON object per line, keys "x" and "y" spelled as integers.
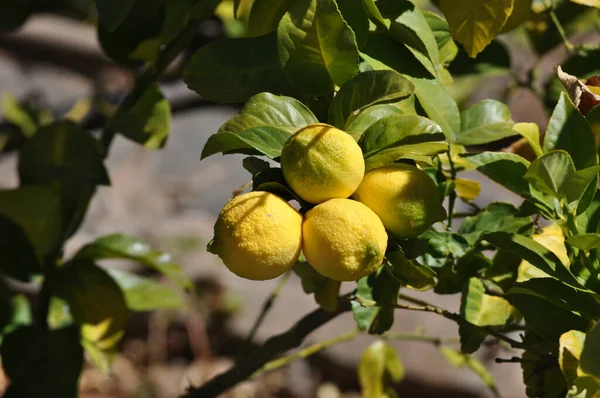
{"x": 452, "y": 195}
{"x": 419, "y": 337}
{"x": 255, "y": 360}
{"x": 148, "y": 76}
{"x": 305, "y": 352}
{"x": 561, "y": 31}
{"x": 266, "y": 307}
{"x": 424, "y": 307}
{"x": 43, "y": 308}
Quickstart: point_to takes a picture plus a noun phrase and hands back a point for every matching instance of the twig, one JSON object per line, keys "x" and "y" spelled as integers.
{"x": 424, "y": 307}
{"x": 305, "y": 352}
{"x": 266, "y": 307}
{"x": 452, "y": 195}
{"x": 419, "y": 337}
{"x": 254, "y": 361}
{"x": 509, "y": 360}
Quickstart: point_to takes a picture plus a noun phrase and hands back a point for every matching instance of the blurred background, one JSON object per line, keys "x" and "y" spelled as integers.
{"x": 54, "y": 65}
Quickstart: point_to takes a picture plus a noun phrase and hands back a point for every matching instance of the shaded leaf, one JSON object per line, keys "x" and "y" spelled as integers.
{"x": 365, "y": 119}
{"x": 379, "y": 365}
{"x": 112, "y": 13}
{"x": 118, "y": 246}
{"x": 366, "y": 89}
{"x": 568, "y": 130}
{"x": 265, "y": 15}
{"x": 409, "y": 273}
{"x": 42, "y": 363}
{"x": 317, "y": 49}
{"x": 381, "y": 288}
{"x": 382, "y": 52}
{"x": 497, "y": 216}
{"x": 147, "y": 121}
{"x": 471, "y": 337}
{"x": 354, "y": 14}
{"x": 145, "y": 294}
{"x": 233, "y": 70}
{"x": 590, "y": 355}
{"x": 570, "y": 346}
{"x": 485, "y": 122}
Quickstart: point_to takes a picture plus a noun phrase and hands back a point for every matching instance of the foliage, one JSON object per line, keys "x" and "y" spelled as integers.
{"x": 393, "y": 74}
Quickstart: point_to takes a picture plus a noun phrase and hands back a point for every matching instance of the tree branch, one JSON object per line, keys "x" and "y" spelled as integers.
{"x": 246, "y": 366}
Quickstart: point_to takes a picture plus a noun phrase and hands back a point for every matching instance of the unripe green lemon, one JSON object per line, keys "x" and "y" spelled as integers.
{"x": 258, "y": 236}
{"x": 343, "y": 239}
{"x": 404, "y": 197}
{"x": 321, "y": 162}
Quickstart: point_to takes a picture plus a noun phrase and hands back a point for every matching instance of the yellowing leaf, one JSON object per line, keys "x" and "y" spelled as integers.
{"x": 378, "y": 365}
{"x": 571, "y": 344}
{"x": 591, "y": 3}
{"x": 553, "y": 239}
{"x": 467, "y": 189}
{"x": 475, "y": 23}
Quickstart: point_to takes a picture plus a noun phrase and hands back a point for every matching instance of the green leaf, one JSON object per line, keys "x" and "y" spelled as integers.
{"x": 535, "y": 253}
{"x": 367, "y": 89}
{"x": 590, "y": 355}
{"x": 481, "y": 309}
{"x": 507, "y": 169}
{"x": 541, "y": 372}
{"x": 443, "y": 36}
{"x": 80, "y": 283}
{"x": 354, "y": 14}
{"x": 590, "y": 3}
{"x": 568, "y": 130}
{"x": 327, "y": 294}
{"x": 381, "y": 288}
{"x": 475, "y": 23}
{"x": 440, "y": 245}
{"x": 485, "y": 122}
{"x": 267, "y": 141}
{"x": 409, "y": 273}
{"x": 35, "y": 210}
{"x": 439, "y": 106}
{"x": 145, "y": 294}
{"x": 233, "y": 70}
{"x": 579, "y": 184}
{"x": 317, "y": 49}
{"x": 497, "y": 216}
{"x": 531, "y": 132}
{"x": 549, "y": 173}
{"x": 42, "y": 363}
{"x": 459, "y": 360}
{"x": 112, "y": 13}
{"x": 379, "y": 364}
{"x": 254, "y": 165}
{"x": 584, "y": 387}
{"x": 118, "y": 246}
{"x": 579, "y": 303}
{"x": 18, "y": 115}
{"x": 147, "y": 121}
{"x": 453, "y": 277}
{"x": 372, "y": 11}
{"x": 365, "y": 119}
{"x": 325, "y": 290}
{"x": 570, "y": 346}
{"x": 397, "y": 136}
{"x": 270, "y": 110}
{"x": 585, "y": 242}
{"x": 407, "y": 24}
{"x": 59, "y": 315}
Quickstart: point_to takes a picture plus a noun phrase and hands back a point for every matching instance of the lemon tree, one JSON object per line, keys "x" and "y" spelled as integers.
{"x": 366, "y": 144}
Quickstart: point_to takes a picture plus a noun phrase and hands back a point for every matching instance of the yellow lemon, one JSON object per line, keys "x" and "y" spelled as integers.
{"x": 320, "y": 162}
{"x": 258, "y": 236}
{"x": 343, "y": 239}
{"x": 404, "y": 197}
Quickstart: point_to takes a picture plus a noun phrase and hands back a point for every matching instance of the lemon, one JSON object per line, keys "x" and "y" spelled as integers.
{"x": 404, "y": 197}
{"x": 258, "y": 236}
{"x": 343, "y": 239}
{"x": 321, "y": 162}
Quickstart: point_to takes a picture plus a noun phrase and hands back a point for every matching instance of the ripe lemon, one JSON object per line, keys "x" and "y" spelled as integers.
{"x": 404, "y": 197}
{"x": 320, "y": 162}
{"x": 258, "y": 236}
{"x": 343, "y": 239}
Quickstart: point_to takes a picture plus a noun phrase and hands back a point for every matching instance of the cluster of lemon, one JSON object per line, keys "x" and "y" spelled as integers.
{"x": 259, "y": 235}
